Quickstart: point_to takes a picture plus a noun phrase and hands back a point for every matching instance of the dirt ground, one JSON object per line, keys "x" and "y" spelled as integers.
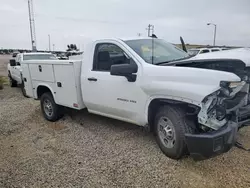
{"x": 4, "y": 59}
{"x": 84, "y": 150}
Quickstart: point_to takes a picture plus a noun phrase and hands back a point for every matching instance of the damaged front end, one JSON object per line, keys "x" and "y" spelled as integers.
{"x": 235, "y": 66}
{"x": 220, "y": 106}
{"x": 218, "y": 121}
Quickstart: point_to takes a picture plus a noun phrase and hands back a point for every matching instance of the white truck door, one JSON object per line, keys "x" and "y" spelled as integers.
{"x": 109, "y": 95}
{"x": 12, "y": 72}
{"x": 65, "y": 89}
{"x": 16, "y": 69}
{"x": 27, "y": 80}
{"x": 18, "y": 74}
{"x": 13, "y": 69}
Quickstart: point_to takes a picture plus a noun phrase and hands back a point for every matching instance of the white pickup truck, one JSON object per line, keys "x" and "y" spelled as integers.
{"x": 14, "y": 67}
{"x": 191, "y": 110}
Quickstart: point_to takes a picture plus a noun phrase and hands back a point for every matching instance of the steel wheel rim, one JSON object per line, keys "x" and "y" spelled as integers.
{"x": 166, "y": 131}
{"x": 47, "y": 106}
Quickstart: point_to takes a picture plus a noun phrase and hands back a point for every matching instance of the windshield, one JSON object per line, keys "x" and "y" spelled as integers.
{"x": 39, "y": 57}
{"x": 162, "y": 51}
{"x": 193, "y": 52}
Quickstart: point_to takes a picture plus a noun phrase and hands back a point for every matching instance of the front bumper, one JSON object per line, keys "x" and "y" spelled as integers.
{"x": 207, "y": 145}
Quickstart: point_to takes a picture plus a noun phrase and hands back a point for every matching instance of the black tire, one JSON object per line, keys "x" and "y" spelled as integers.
{"x": 56, "y": 109}
{"x": 12, "y": 82}
{"x": 175, "y": 117}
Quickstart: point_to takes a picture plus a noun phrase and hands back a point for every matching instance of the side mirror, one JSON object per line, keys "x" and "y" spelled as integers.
{"x": 126, "y": 70}
{"x": 12, "y": 62}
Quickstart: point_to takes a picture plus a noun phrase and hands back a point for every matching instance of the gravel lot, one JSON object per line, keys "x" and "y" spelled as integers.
{"x": 84, "y": 150}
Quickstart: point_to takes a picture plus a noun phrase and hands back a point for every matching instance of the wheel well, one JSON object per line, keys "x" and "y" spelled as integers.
{"x": 155, "y": 104}
{"x": 41, "y": 90}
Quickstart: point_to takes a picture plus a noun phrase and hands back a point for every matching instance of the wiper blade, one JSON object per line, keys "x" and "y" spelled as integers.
{"x": 182, "y": 58}
{"x": 159, "y": 63}
{"x": 173, "y": 60}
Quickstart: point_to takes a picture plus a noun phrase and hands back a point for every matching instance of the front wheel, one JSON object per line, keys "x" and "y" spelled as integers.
{"x": 170, "y": 128}
{"x": 51, "y": 111}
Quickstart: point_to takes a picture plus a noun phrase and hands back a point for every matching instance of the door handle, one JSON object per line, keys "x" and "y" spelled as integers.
{"x": 92, "y": 79}
{"x": 59, "y": 84}
{"x": 40, "y": 68}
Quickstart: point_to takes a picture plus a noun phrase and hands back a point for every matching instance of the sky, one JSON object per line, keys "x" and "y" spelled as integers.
{"x": 76, "y": 21}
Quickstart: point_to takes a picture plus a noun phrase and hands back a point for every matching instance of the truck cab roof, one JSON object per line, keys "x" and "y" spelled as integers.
{"x": 36, "y": 53}
{"x": 119, "y": 38}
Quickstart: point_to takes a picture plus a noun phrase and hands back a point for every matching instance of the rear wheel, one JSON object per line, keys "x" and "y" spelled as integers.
{"x": 51, "y": 111}
{"x": 12, "y": 82}
{"x": 170, "y": 128}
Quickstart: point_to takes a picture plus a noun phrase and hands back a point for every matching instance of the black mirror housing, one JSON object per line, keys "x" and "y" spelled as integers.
{"x": 126, "y": 70}
{"x": 12, "y": 62}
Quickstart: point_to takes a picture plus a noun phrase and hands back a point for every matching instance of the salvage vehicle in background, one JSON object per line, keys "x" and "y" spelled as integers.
{"x": 196, "y": 51}
{"x": 191, "y": 110}
{"x": 14, "y": 66}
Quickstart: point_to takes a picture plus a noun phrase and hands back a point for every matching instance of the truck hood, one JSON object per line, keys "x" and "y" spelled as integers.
{"x": 236, "y": 61}
{"x": 242, "y": 54}
{"x": 183, "y": 83}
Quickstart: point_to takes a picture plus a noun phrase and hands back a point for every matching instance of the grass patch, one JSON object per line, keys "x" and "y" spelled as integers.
{"x": 3, "y": 81}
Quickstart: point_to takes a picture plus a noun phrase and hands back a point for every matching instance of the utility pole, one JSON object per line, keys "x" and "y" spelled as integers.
{"x": 215, "y": 30}
{"x": 49, "y": 42}
{"x": 32, "y": 25}
{"x": 53, "y": 47}
{"x": 150, "y": 28}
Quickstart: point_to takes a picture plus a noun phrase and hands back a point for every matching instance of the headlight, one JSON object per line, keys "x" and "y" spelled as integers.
{"x": 234, "y": 84}
{"x": 227, "y": 84}
{"x": 229, "y": 89}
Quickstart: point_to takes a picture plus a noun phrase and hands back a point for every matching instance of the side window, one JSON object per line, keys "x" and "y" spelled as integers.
{"x": 204, "y": 51}
{"x": 106, "y": 55}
